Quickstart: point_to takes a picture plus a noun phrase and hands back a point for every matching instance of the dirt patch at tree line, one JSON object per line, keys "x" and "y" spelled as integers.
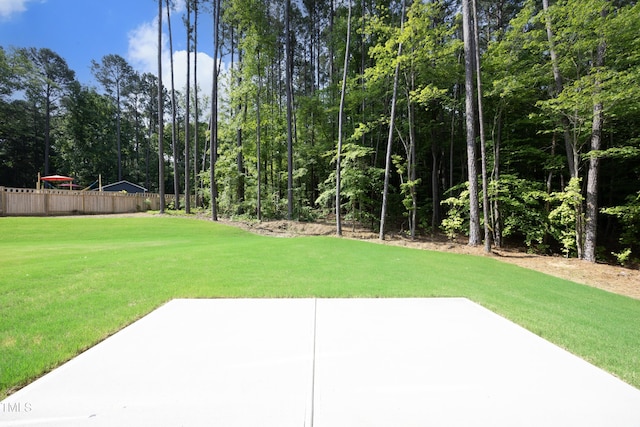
{"x": 619, "y": 280}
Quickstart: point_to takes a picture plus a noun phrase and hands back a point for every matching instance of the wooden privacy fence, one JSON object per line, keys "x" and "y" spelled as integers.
{"x": 31, "y": 202}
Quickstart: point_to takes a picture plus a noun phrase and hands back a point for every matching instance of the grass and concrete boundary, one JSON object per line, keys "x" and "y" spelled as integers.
{"x": 68, "y": 283}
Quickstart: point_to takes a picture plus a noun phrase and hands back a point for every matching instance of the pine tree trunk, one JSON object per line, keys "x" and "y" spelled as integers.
{"x": 258, "y": 144}
{"x": 483, "y": 142}
{"x": 160, "y": 114}
{"x": 474, "y": 214}
{"x": 340, "y": 124}
{"x": 213, "y": 150}
{"x": 118, "y": 130}
{"x": 387, "y": 167}
{"x": 435, "y": 193}
{"x": 187, "y": 137}
{"x": 591, "y": 225}
{"x": 242, "y": 106}
{"x": 147, "y": 151}
{"x": 47, "y": 134}
{"x": 573, "y": 157}
{"x": 196, "y": 114}
{"x": 411, "y": 156}
{"x": 174, "y": 122}
{"x": 497, "y": 217}
{"x": 289, "y": 83}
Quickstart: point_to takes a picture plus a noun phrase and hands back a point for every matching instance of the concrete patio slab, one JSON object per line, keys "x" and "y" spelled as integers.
{"x": 189, "y": 363}
{"x": 451, "y": 362}
{"x": 325, "y": 362}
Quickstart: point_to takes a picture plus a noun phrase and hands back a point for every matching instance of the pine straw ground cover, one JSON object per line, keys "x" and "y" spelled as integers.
{"x": 68, "y": 283}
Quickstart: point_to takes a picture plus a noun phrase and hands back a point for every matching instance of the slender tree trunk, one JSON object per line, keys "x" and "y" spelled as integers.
{"x": 258, "y": 144}
{"x": 137, "y": 139}
{"x": 573, "y": 157}
{"x": 340, "y": 124}
{"x": 196, "y": 114}
{"x": 47, "y": 134}
{"x": 213, "y": 150}
{"x": 331, "y": 46}
{"x": 452, "y": 135}
{"x": 497, "y": 141}
{"x": 187, "y": 136}
{"x": 160, "y": 114}
{"x": 147, "y": 151}
{"x": 411, "y": 166}
{"x": 289, "y": 83}
{"x": 580, "y": 230}
{"x": 591, "y": 225}
{"x": 474, "y": 222}
{"x": 411, "y": 154}
{"x": 318, "y": 56}
{"x": 174, "y": 122}
{"x": 118, "y": 131}
{"x": 435, "y": 193}
{"x": 483, "y": 142}
{"x": 387, "y": 168}
{"x": 242, "y": 111}
{"x": 547, "y": 204}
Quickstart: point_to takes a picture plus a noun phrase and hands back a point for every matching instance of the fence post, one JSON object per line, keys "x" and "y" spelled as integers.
{"x": 46, "y": 202}
{"x": 3, "y": 202}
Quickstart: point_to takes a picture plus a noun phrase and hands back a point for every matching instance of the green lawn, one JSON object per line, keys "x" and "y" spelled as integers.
{"x": 67, "y": 283}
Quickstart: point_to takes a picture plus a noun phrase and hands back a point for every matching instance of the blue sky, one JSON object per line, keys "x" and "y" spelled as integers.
{"x": 85, "y": 30}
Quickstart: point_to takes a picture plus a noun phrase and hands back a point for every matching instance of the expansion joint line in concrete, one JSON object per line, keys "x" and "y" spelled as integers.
{"x": 313, "y": 361}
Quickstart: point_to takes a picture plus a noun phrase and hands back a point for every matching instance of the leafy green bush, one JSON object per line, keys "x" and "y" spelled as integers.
{"x": 629, "y": 216}
{"x": 358, "y": 182}
{"x": 457, "y": 218}
{"x": 567, "y": 218}
{"x": 522, "y": 209}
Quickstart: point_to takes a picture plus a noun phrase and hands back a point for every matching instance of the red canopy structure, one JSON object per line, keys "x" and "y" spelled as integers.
{"x": 53, "y": 179}
{"x": 56, "y": 178}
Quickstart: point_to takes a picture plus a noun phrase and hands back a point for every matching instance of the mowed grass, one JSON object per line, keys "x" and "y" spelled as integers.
{"x": 67, "y": 283}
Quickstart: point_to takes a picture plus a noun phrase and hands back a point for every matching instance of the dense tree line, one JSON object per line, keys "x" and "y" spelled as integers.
{"x": 517, "y": 116}
{"x": 53, "y": 124}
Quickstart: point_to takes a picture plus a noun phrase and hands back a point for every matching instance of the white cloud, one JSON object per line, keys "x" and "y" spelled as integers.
{"x": 143, "y": 47}
{"x": 205, "y": 68}
{"x": 143, "y": 56}
{"x": 143, "y": 41}
{"x": 10, "y": 7}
